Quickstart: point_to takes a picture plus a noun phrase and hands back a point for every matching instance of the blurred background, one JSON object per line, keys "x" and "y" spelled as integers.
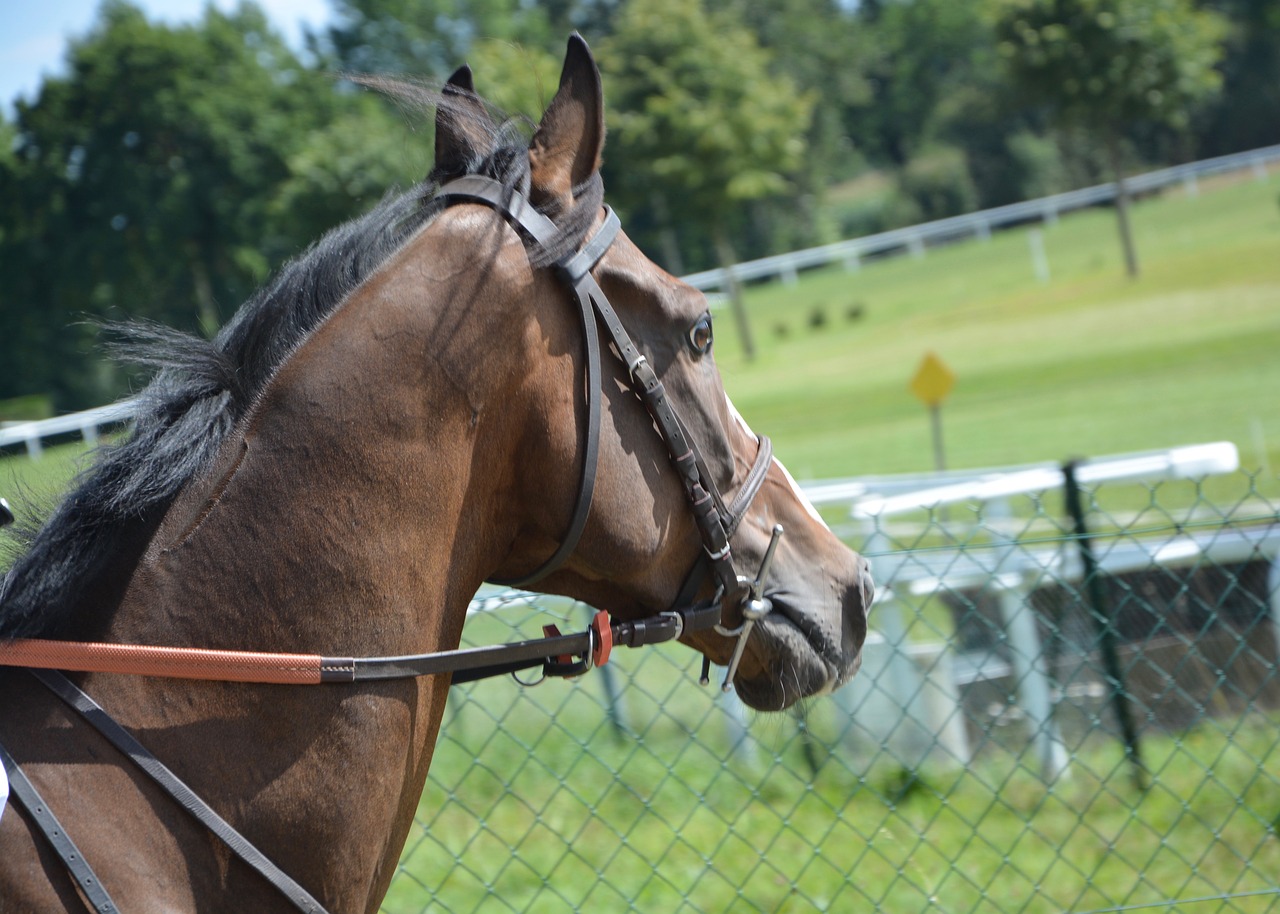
{"x": 159, "y": 160}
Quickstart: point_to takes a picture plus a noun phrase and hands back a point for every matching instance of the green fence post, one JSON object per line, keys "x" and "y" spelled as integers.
{"x": 1106, "y": 629}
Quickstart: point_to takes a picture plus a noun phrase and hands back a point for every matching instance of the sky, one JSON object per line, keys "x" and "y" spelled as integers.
{"x": 33, "y": 33}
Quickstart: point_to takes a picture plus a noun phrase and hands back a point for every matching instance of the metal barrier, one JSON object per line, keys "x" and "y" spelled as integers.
{"x": 976, "y": 764}
{"x": 86, "y": 424}
{"x": 915, "y": 238}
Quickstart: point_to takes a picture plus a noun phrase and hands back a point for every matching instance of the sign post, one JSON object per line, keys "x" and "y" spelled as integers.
{"x": 931, "y": 384}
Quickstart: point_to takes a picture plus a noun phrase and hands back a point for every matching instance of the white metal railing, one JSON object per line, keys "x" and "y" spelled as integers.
{"x": 87, "y": 423}
{"x": 1013, "y": 573}
{"x": 1189, "y": 462}
{"x": 1045, "y": 209}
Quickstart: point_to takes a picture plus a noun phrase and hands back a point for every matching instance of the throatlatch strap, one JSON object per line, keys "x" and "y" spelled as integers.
{"x": 577, "y": 270}
{"x": 26, "y": 795}
{"x": 92, "y": 712}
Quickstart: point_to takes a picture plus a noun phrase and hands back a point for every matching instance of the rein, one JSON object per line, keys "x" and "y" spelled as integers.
{"x": 559, "y": 655}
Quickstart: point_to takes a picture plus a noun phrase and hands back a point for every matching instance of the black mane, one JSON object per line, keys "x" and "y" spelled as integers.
{"x": 203, "y": 388}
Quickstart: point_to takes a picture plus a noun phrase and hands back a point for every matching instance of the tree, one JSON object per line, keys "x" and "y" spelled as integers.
{"x": 1105, "y": 65}
{"x": 164, "y": 177}
{"x": 1246, "y": 116}
{"x": 826, "y": 50}
{"x": 429, "y": 38}
{"x": 700, "y": 126}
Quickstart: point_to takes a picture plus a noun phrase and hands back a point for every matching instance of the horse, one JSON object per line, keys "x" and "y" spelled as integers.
{"x": 404, "y": 412}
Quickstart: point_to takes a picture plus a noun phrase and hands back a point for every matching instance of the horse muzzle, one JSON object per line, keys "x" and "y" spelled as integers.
{"x": 807, "y": 644}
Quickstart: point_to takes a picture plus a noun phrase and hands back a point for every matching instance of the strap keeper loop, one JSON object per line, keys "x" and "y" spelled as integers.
{"x": 719, "y": 554}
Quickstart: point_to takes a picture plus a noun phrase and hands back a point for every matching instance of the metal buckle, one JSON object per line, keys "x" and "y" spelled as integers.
{"x": 635, "y": 366}
{"x": 679, "y": 622}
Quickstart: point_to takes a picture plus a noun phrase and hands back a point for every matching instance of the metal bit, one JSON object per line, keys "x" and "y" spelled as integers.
{"x": 754, "y": 608}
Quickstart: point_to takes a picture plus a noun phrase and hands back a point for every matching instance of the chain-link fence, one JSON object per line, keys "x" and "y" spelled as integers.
{"x": 1055, "y": 713}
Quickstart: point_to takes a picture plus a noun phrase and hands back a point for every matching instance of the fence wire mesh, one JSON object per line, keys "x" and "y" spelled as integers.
{"x": 1048, "y": 719}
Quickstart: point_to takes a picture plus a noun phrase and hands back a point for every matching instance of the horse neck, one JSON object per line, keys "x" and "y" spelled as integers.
{"x": 350, "y": 515}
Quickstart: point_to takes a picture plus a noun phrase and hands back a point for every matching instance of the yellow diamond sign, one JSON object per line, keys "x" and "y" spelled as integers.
{"x": 932, "y": 381}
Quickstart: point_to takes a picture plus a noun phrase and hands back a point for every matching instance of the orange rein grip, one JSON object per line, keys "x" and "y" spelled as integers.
{"x": 171, "y": 662}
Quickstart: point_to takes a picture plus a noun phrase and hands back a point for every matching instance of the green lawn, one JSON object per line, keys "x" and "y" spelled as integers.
{"x": 534, "y": 805}
{"x": 1089, "y": 363}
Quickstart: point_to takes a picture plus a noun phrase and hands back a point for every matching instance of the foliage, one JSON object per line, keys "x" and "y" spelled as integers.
{"x": 939, "y": 183}
{"x": 428, "y": 37}
{"x": 696, "y": 116}
{"x": 1111, "y": 63}
{"x": 344, "y": 165}
{"x": 162, "y": 178}
{"x": 928, "y": 53}
{"x": 1246, "y": 117}
{"x": 1106, "y": 65}
{"x": 824, "y": 49}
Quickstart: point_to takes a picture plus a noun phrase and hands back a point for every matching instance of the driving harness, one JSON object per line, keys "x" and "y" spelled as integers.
{"x": 557, "y": 654}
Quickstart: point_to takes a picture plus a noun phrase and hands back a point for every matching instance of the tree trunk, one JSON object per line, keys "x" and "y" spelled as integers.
{"x": 724, "y": 251}
{"x": 1122, "y": 207}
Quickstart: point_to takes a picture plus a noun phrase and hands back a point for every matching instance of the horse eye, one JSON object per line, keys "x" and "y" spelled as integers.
{"x": 700, "y": 336}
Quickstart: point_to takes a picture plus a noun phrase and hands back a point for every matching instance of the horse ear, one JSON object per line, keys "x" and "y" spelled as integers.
{"x": 464, "y": 129}
{"x": 566, "y": 148}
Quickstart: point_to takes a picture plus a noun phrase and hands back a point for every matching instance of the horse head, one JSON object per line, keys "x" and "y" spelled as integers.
{"x": 640, "y": 550}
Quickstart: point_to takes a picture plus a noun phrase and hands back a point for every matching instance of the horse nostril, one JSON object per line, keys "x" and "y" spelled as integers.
{"x": 866, "y": 585}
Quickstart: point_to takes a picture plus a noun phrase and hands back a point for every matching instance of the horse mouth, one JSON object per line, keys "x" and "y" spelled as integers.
{"x": 798, "y": 659}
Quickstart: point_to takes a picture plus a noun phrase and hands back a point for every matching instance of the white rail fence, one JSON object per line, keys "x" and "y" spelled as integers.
{"x": 915, "y": 238}
{"x": 924, "y": 678}
{"x": 31, "y": 435}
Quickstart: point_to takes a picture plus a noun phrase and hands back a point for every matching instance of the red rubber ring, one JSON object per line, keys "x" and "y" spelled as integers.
{"x": 604, "y": 638}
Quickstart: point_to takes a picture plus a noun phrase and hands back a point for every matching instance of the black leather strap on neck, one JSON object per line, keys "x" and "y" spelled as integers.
{"x": 26, "y": 795}
{"x": 92, "y": 712}
{"x": 577, "y": 270}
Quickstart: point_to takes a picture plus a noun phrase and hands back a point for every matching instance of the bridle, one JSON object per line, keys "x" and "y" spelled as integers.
{"x": 559, "y": 655}
{"x": 716, "y": 520}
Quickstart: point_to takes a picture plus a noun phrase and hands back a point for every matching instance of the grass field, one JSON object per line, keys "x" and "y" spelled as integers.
{"x": 1089, "y": 363}
{"x": 534, "y": 805}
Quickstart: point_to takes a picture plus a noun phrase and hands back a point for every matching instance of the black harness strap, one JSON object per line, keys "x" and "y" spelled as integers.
{"x": 25, "y": 793}
{"x": 92, "y": 712}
